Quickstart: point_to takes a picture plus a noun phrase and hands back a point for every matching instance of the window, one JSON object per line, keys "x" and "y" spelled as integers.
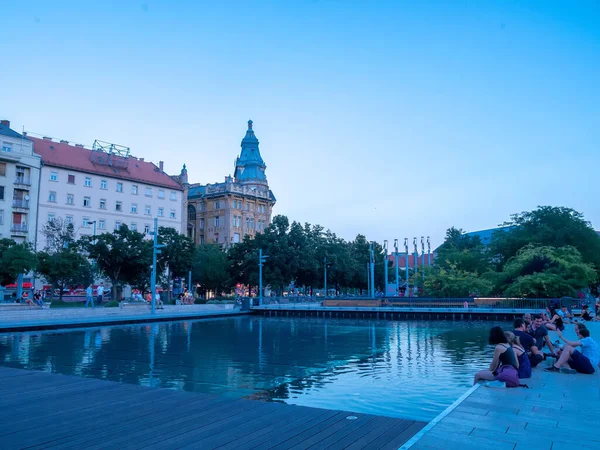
{"x": 119, "y": 207}
{"x": 1, "y": 192}
{"x": 70, "y": 199}
{"x": 119, "y": 187}
{"x": 103, "y": 184}
{"x": 173, "y": 195}
{"x": 87, "y": 202}
{"x": 117, "y": 224}
{"x": 51, "y": 217}
{"x": 217, "y": 221}
{"x": 247, "y": 223}
{"x": 202, "y": 206}
{"x": 53, "y": 176}
{"x": 160, "y": 212}
{"x": 133, "y": 226}
{"x": 102, "y": 203}
{"x": 134, "y": 189}
{"x": 247, "y": 206}
{"x": 201, "y": 223}
{"x": 1, "y": 217}
{"x": 6, "y": 148}
{"x": 146, "y": 229}
{"x": 217, "y": 205}
{"x": 71, "y": 179}
{"x": 201, "y": 240}
{"x": 148, "y": 192}
{"x": 161, "y": 193}
{"x": 69, "y": 220}
{"x": 101, "y": 224}
{"x": 172, "y": 214}
{"x": 87, "y": 182}
{"x": 236, "y": 238}
{"x": 134, "y": 208}
{"x": 52, "y": 197}
{"x": 3, "y": 169}
{"x": 85, "y": 223}
{"x": 148, "y": 210}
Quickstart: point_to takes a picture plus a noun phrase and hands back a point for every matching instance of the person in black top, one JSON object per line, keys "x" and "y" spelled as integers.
{"x": 540, "y": 334}
{"x": 503, "y": 356}
{"x": 585, "y": 313}
{"x": 535, "y": 356}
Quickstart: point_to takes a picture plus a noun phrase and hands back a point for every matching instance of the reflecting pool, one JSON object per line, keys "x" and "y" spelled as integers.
{"x": 410, "y": 369}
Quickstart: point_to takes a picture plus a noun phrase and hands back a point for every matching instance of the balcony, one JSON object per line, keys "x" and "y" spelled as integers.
{"x": 22, "y": 181}
{"x": 20, "y": 203}
{"x": 18, "y": 228}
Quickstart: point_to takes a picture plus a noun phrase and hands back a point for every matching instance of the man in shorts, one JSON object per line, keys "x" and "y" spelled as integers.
{"x": 582, "y": 355}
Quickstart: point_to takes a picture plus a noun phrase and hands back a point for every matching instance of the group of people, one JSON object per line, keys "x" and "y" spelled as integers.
{"x": 37, "y": 300}
{"x": 185, "y": 298}
{"x": 516, "y": 352}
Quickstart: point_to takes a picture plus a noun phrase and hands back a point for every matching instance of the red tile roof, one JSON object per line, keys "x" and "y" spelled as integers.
{"x": 67, "y": 156}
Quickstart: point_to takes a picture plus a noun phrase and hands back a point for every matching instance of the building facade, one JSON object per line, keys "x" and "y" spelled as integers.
{"x": 242, "y": 205}
{"x": 19, "y": 185}
{"x": 99, "y": 189}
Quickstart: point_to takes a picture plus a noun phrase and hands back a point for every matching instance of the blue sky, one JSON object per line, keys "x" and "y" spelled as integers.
{"x": 392, "y": 119}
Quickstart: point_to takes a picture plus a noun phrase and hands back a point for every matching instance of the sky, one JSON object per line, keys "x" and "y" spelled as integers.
{"x": 391, "y": 118}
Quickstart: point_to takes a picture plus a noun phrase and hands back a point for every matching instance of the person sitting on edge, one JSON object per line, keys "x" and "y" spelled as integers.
{"x": 527, "y": 342}
{"x": 565, "y": 314}
{"x": 520, "y": 353}
{"x": 584, "y": 360}
{"x": 556, "y": 323}
{"x": 540, "y": 334}
{"x": 504, "y": 359}
{"x": 527, "y": 319}
{"x": 585, "y": 313}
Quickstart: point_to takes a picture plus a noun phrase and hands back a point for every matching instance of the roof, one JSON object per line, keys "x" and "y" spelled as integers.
{"x": 250, "y": 165}
{"x": 486, "y": 235}
{"x": 196, "y": 191}
{"x": 7, "y": 131}
{"x": 59, "y": 154}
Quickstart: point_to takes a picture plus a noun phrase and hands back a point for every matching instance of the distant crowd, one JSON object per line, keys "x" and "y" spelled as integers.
{"x": 518, "y": 351}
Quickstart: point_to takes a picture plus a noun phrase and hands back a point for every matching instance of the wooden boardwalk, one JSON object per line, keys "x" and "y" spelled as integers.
{"x": 43, "y": 410}
{"x": 558, "y": 412}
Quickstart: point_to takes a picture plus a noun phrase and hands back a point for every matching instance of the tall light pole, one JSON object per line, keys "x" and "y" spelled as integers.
{"x": 428, "y": 252}
{"x": 423, "y": 255}
{"x": 155, "y": 251}
{"x": 372, "y": 261}
{"x": 416, "y": 256}
{"x": 261, "y": 261}
{"x": 385, "y": 267}
{"x": 406, "y": 265}
{"x": 90, "y": 222}
{"x": 397, "y": 275}
{"x": 368, "y": 279}
{"x": 325, "y": 275}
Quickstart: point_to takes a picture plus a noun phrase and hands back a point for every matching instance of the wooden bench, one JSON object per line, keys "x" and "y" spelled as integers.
{"x": 351, "y": 303}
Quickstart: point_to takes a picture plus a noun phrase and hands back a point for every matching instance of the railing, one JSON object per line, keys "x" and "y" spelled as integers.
{"x": 23, "y": 180}
{"x": 19, "y": 227}
{"x": 20, "y": 203}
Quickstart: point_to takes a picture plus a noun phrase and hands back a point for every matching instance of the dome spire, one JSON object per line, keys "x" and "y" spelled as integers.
{"x": 250, "y": 167}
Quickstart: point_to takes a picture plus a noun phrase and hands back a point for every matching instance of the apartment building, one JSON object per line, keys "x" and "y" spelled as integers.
{"x": 19, "y": 185}
{"x": 99, "y": 188}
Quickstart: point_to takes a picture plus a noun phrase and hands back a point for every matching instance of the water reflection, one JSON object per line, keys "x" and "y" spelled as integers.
{"x": 399, "y": 369}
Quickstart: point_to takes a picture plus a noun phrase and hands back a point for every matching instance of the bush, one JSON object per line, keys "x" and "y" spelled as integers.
{"x": 112, "y": 304}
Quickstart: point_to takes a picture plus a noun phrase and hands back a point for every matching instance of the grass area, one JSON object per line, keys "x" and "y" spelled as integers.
{"x": 56, "y": 303}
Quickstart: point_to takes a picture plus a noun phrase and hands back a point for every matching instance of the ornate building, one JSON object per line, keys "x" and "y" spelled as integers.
{"x": 224, "y": 213}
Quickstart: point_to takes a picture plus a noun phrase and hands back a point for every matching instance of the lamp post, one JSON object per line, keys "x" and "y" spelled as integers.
{"x": 261, "y": 261}
{"x": 372, "y": 261}
{"x": 90, "y": 222}
{"x": 368, "y": 278}
{"x": 155, "y": 251}
{"x": 428, "y": 252}
{"x": 325, "y": 275}
{"x": 423, "y": 255}
{"x": 385, "y": 267}
{"x": 416, "y": 256}
{"x": 396, "y": 264}
{"x": 406, "y": 263}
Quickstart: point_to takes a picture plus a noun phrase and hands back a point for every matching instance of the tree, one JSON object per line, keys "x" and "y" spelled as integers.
{"x": 463, "y": 252}
{"x": 547, "y": 272}
{"x": 547, "y": 226}
{"x": 450, "y": 281}
{"x": 15, "y": 259}
{"x": 177, "y": 255}
{"x": 210, "y": 268}
{"x": 124, "y": 256}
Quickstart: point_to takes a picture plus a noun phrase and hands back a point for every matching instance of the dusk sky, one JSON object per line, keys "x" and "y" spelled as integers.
{"x": 392, "y": 119}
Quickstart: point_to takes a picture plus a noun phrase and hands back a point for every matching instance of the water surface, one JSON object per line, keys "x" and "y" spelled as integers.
{"x": 411, "y": 369}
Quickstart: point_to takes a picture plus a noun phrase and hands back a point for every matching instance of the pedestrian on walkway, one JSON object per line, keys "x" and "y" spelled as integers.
{"x": 89, "y": 296}
{"x": 100, "y": 292}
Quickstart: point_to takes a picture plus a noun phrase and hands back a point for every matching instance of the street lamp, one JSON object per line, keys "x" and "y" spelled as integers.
{"x": 261, "y": 261}
{"x": 325, "y": 266}
{"x": 396, "y": 264}
{"x": 423, "y": 255}
{"x": 428, "y": 252}
{"x": 406, "y": 260}
{"x": 385, "y": 267}
{"x": 372, "y": 262}
{"x": 155, "y": 251}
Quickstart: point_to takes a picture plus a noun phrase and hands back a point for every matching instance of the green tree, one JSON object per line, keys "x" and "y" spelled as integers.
{"x": 547, "y": 272}
{"x": 464, "y": 252}
{"x": 450, "y": 281}
{"x": 210, "y": 269}
{"x": 123, "y": 256}
{"x": 15, "y": 259}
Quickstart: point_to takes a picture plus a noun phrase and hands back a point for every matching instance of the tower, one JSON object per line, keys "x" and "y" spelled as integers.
{"x": 249, "y": 166}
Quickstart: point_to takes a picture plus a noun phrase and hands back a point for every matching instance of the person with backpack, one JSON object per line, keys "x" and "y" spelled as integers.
{"x": 505, "y": 365}
{"x": 524, "y": 363}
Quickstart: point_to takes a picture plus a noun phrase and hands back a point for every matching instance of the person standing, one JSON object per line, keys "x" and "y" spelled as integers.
{"x": 100, "y": 292}
{"x": 89, "y": 296}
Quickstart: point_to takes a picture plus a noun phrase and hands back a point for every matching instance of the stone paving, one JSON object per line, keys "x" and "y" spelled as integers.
{"x": 26, "y": 318}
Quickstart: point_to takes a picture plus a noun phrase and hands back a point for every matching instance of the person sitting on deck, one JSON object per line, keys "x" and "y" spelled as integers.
{"x": 504, "y": 364}
{"x": 582, "y": 360}
{"x": 524, "y": 363}
{"x": 527, "y": 342}
{"x": 585, "y": 313}
{"x": 540, "y": 334}
{"x": 556, "y": 323}
{"x": 527, "y": 319}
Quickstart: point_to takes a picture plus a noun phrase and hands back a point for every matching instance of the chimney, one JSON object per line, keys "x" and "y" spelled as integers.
{"x": 79, "y": 145}
{"x": 161, "y": 166}
{"x": 5, "y": 122}
{"x": 62, "y": 141}
{"x": 47, "y": 138}
{"x": 142, "y": 159}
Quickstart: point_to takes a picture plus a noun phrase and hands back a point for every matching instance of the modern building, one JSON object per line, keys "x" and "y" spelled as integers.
{"x": 19, "y": 185}
{"x": 97, "y": 189}
{"x": 224, "y": 213}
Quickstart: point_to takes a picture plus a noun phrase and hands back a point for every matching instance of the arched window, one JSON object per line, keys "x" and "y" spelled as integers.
{"x": 191, "y": 213}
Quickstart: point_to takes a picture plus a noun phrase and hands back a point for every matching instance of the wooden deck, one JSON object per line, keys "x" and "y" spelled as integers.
{"x": 43, "y": 410}
{"x": 559, "y": 411}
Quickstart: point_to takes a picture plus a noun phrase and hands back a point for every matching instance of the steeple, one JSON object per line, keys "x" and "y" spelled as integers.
{"x": 249, "y": 166}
